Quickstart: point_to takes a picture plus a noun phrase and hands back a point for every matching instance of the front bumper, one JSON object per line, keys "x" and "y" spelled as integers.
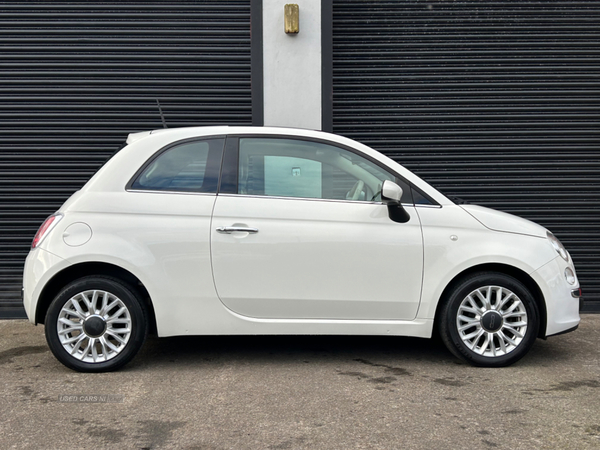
{"x": 576, "y": 293}
{"x": 562, "y": 308}
{"x": 566, "y": 331}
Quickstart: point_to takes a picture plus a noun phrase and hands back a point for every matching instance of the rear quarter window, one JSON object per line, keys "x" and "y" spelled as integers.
{"x": 186, "y": 167}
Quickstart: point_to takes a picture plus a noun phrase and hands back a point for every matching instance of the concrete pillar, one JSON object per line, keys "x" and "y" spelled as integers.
{"x": 292, "y": 66}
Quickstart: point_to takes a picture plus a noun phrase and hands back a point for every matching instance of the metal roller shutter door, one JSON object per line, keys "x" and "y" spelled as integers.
{"x": 496, "y": 102}
{"x": 77, "y": 77}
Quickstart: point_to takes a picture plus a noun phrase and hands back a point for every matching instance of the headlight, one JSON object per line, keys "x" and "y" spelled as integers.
{"x": 570, "y": 276}
{"x": 560, "y": 249}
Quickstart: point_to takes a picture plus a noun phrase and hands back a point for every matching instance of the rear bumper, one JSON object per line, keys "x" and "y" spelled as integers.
{"x": 40, "y": 267}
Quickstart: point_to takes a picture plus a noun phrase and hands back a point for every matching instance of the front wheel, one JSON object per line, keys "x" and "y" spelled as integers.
{"x": 96, "y": 324}
{"x": 489, "y": 319}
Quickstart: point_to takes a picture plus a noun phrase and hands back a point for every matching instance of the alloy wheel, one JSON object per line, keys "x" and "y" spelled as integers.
{"x": 492, "y": 321}
{"x": 94, "y": 326}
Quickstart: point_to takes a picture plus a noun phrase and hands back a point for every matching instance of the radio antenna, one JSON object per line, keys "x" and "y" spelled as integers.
{"x": 161, "y": 114}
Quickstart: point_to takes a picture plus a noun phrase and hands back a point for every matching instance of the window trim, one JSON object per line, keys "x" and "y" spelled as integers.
{"x": 218, "y": 167}
{"x": 229, "y": 159}
{"x": 312, "y": 199}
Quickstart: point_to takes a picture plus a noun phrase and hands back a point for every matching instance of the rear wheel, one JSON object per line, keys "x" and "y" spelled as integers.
{"x": 489, "y": 319}
{"x": 96, "y": 324}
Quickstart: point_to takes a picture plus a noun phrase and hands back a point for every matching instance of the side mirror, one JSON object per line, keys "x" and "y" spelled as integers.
{"x": 391, "y": 195}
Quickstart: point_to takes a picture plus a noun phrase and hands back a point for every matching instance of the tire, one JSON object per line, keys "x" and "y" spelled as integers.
{"x": 96, "y": 324}
{"x": 489, "y": 319}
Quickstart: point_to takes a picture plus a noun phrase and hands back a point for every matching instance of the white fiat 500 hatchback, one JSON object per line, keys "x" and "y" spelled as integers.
{"x": 247, "y": 231}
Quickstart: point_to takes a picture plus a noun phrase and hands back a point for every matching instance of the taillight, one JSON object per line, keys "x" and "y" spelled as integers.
{"x": 46, "y": 227}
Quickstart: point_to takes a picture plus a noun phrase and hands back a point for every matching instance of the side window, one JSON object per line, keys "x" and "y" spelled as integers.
{"x": 419, "y": 198}
{"x": 186, "y": 167}
{"x": 305, "y": 169}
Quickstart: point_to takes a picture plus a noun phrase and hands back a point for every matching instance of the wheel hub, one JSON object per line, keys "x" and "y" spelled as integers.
{"x": 491, "y": 321}
{"x": 94, "y": 326}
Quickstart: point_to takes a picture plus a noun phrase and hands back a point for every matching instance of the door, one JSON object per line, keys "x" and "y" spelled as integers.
{"x": 304, "y": 235}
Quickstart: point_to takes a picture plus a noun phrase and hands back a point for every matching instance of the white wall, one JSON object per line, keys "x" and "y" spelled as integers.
{"x": 292, "y": 66}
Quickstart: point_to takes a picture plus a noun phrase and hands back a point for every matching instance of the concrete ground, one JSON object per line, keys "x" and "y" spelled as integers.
{"x": 302, "y": 392}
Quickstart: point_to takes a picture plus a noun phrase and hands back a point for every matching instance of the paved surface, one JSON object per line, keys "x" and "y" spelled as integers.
{"x": 303, "y": 392}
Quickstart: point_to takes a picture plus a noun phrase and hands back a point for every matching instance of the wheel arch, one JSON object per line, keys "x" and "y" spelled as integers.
{"x": 506, "y": 269}
{"x": 62, "y": 278}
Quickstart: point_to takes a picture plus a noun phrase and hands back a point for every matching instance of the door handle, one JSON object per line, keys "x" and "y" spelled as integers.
{"x": 229, "y": 230}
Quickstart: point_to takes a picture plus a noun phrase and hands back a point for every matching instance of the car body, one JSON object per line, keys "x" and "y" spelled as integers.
{"x": 271, "y": 231}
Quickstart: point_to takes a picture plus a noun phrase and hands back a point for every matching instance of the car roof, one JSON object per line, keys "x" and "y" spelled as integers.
{"x": 225, "y": 129}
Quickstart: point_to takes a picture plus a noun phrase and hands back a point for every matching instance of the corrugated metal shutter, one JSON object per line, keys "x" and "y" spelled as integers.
{"x": 77, "y": 77}
{"x": 497, "y": 102}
